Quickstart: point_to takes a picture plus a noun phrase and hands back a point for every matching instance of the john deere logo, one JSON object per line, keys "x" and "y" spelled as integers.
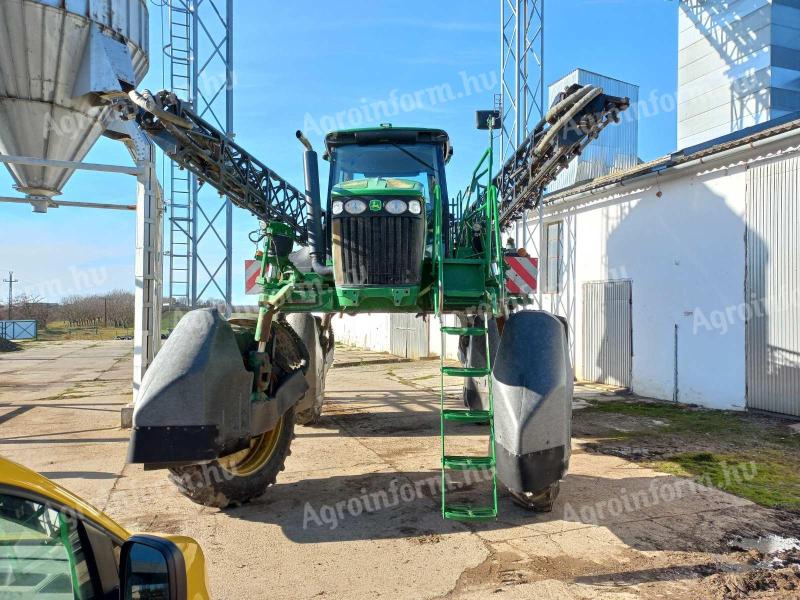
{"x": 375, "y": 205}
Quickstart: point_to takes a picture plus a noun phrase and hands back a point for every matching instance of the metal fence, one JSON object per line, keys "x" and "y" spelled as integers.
{"x": 19, "y": 330}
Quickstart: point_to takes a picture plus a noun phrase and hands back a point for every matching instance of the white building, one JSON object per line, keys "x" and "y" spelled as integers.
{"x": 738, "y": 65}
{"x": 680, "y": 276}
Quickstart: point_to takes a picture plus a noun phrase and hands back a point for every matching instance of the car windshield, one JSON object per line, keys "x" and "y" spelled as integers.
{"x": 415, "y": 162}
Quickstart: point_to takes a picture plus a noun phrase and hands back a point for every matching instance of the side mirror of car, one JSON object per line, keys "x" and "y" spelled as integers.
{"x": 162, "y": 567}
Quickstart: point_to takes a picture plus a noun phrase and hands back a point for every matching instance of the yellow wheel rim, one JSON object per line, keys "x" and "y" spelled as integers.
{"x": 248, "y": 461}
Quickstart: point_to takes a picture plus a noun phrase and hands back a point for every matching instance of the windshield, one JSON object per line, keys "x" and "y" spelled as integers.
{"x": 415, "y": 162}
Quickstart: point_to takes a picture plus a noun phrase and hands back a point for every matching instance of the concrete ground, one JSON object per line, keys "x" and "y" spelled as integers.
{"x": 618, "y": 531}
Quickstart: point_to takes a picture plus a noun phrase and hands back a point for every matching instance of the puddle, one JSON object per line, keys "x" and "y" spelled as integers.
{"x": 767, "y": 544}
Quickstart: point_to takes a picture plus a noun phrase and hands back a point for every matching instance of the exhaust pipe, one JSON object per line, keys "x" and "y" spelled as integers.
{"x": 314, "y": 208}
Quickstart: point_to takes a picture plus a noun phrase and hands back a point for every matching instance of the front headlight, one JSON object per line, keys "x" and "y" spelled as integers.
{"x": 355, "y": 207}
{"x": 414, "y": 207}
{"x": 337, "y": 207}
{"x": 395, "y": 207}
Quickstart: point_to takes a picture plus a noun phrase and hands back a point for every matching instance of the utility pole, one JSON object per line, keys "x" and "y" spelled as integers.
{"x": 11, "y": 281}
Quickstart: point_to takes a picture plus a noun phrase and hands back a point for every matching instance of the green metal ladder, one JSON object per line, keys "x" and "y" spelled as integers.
{"x": 449, "y": 462}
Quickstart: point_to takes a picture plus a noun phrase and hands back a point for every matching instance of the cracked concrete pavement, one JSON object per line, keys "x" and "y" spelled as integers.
{"x": 618, "y": 530}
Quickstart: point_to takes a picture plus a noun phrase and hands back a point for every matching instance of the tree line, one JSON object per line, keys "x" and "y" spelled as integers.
{"x": 113, "y": 309}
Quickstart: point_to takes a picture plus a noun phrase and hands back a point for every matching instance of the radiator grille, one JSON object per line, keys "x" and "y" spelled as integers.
{"x": 379, "y": 250}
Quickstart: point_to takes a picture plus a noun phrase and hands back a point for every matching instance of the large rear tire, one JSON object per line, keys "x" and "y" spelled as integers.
{"x": 242, "y": 476}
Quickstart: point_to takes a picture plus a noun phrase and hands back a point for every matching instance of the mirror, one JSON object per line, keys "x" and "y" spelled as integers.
{"x": 152, "y": 569}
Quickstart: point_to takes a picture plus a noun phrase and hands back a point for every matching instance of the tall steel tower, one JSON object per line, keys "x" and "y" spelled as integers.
{"x": 522, "y": 93}
{"x": 522, "y": 90}
{"x": 199, "y": 50}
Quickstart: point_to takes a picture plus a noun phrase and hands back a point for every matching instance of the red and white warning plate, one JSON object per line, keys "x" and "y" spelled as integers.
{"x": 252, "y": 268}
{"x": 521, "y": 274}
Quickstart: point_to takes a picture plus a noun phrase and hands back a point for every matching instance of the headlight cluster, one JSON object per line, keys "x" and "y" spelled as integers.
{"x": 394, "y": 207}
{"x": 355, "y": 207}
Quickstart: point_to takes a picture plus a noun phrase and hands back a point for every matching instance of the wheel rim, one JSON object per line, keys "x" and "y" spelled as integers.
{"x": 248, "y": 461}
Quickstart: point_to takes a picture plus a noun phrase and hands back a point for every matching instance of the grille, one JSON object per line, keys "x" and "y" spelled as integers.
{"x": 379, "y": 250}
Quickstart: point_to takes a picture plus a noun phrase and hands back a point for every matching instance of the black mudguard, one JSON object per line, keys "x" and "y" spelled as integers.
{"x": 195, "y": 404}
{"x": 532, "y": 384}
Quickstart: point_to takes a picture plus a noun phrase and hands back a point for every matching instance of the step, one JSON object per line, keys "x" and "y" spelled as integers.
{"x": 465, "y": 371}
{"x": 467, "y": 416}
{"x": 464, "y": 330}
{"x": 469, "y": 513}
{"x": 468, "y": 462}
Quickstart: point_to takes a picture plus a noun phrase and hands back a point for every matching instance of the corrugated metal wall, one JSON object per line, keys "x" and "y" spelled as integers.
{"x": 607, "y": 348}
{"x": 408, "y": 336}
{"x": 772, "y": 309}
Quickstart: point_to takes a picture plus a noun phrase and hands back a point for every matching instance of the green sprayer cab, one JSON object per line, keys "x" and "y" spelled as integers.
{"x": 218, "y": 405}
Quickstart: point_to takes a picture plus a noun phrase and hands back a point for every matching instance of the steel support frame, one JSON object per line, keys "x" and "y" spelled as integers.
{"x": 148, "y": 248}
{"x": 522, "y": 92}
{"x": 200, "y": 54}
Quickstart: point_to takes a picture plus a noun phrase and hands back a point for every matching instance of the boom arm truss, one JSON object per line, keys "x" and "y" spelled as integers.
{"x": 214, "y": 158}
{"x": 576, "y": 118}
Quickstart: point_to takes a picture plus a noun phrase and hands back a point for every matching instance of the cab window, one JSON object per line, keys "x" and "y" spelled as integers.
{"x": 46, "y": 552}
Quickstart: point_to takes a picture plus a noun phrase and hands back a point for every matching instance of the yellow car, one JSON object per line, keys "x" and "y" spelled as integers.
{"x": 53, "y": 545}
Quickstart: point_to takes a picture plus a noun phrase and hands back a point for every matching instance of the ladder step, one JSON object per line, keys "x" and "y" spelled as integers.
{"x": 465, "y": 371}
{"x": 468, "y": 462}
{"x": 469, "y": 513}
{"x": 467, "y": 416}
{"x": 464, "y": 330}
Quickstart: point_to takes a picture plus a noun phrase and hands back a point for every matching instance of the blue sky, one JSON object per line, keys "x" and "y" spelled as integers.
{"x": 305, "y": 64}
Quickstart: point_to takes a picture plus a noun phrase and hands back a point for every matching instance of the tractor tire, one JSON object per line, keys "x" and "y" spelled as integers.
{"x": 242, "y": 476}
{"x": 320, "y": 363}
{"x": 245, "y": 475}
{"x": 538, "y": 502}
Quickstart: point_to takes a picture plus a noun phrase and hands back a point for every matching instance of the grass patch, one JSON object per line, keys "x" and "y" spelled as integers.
{"x": 678, "y": 417}
{"x": 768, "y": 483}
{"x": 753, "y": 456}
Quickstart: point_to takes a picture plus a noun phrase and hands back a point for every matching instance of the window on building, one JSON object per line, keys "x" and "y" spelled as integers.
{"x": 554, "y": 257}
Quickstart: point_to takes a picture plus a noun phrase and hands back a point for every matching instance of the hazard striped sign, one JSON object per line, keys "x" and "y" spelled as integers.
{"x": 522, "y": 274}
{"x": 252, "y": 269}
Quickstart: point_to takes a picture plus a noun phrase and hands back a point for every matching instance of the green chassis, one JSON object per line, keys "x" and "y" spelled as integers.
{"x": 462, "y": 280}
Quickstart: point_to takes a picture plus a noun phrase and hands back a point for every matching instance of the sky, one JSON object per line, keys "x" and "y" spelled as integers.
{"x": 315, "y": 66}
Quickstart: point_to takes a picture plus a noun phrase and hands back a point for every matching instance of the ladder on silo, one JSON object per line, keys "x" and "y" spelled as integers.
{"x": 179, "y": 51}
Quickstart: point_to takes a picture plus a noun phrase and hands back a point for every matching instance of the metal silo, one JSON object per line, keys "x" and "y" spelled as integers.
{"x": 62, "y": 64}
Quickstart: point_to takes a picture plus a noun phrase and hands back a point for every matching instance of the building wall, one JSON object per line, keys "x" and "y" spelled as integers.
{"x": 684, "y": 254}
{"x": 370, "y": 331}
{"x": 375, "y": 332}
{"x": 738, "y": 65}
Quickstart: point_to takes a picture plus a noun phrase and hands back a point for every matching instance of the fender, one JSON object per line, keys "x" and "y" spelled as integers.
{"x": 532, "y": 385}
{"x": 196, "y": 402}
